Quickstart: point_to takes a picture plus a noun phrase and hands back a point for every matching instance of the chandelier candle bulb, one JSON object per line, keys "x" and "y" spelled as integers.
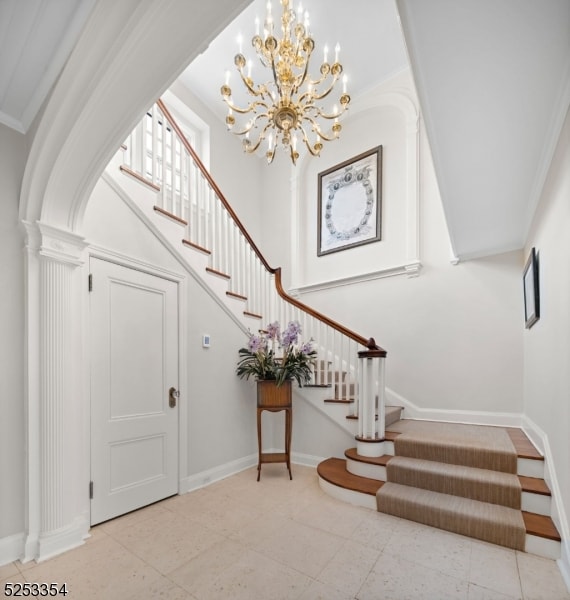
{"x": 336, "y": 52}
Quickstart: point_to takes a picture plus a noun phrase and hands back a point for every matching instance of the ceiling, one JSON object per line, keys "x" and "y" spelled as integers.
{"x": 371, "y": 46}
{"x": 493, "y": 79}
{"x": 36, "y": 38}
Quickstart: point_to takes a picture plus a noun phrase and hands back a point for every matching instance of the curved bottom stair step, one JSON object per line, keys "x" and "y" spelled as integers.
{"x": 499, "y": 525}
{"x": 333, "y": 471}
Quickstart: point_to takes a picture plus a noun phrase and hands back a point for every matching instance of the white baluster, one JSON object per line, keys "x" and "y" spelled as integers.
{"x": 154, "y": 159}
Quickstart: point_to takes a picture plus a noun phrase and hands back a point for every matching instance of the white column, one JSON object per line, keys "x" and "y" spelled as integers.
{"x": 371, "y": 410}
{"x": 53, "y": 320}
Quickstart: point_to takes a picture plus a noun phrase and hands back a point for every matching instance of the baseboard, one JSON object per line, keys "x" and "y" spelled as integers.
{"x": 564, "y": 562}
{"x": 471, "y": 417}
{"x": 204, "y": 478}
{"x": 11, "y": 548}
{"x": 558, "y": 514}
{"x": 62, "y": 540}
{"x": 305, "y": 460}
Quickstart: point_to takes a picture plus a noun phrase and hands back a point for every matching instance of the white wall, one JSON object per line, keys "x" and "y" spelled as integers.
{"x": 220, "y": 409}
{"x": 454, "y": 333}
{"x": 13, "y": 151}
{"x": 547, "y": 343}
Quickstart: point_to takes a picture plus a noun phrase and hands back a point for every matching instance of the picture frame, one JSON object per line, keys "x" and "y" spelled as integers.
{"x": 531, "y": 290}
{"x": 350, "y": 203}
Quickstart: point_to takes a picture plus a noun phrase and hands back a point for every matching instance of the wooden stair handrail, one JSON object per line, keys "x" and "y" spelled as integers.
{"x": 368, "y": 343}
{"x": 212, "y": 183}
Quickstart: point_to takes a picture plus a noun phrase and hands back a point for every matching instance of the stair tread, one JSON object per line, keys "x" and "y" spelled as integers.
{"x": 388, "y": 411}
{"x": 334, "y": 471}
{"x": 523, "y": 446}
{"x": 381, "y": 461}
{"x": 534, "y": 485}
{"x": 541, "y": 526}
{"x": 484, "y": 485}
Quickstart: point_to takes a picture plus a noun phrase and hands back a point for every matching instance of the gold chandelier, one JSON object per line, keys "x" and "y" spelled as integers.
{"x": 288, "y": 106}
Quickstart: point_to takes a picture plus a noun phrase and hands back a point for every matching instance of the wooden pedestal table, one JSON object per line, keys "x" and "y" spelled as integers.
{"x": 275, "y": 398}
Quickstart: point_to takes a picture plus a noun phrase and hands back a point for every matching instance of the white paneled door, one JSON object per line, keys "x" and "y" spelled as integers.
{"x": 134, "y": 383}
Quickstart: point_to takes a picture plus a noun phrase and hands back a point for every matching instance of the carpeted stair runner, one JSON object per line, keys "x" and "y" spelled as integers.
{"x": 481, "y": 520}
{"x": 468, "y": 445}
{"x": 460, "y": 478}
{"x": 469, "y": 482}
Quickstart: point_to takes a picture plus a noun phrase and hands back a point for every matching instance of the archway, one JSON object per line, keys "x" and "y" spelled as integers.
{"x": 127, "y": 55}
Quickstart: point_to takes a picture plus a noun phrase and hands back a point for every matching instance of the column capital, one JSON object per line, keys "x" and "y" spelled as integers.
{"x": 58, "y": 244}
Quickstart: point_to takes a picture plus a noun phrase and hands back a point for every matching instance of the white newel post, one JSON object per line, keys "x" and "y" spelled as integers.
{"x": 54, "y": 323}
{"x": 371, "y": 407}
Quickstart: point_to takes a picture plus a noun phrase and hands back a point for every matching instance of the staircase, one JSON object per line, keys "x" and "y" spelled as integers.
{"x": 452, "y": 490}
{"x": 180, "y": 203}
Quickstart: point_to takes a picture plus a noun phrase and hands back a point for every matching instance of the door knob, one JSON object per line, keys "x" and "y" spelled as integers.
{"x": 173, "y": 395}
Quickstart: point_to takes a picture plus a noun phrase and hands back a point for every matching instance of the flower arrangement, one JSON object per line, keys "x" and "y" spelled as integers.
{"x": 278, "y": 357}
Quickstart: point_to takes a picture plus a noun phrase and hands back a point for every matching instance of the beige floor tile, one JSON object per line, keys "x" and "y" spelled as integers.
{"x": 434, "y": 549}
{"x": 494, "y": 568}
{"x": 321, "y": 591}
{"x": 375, "y": 530}
{"x": 477, "y": 592}
{"x": 265, "y": 527}
{"x": 8, "y": 570}
{"x": 540, "y": 578}
{"x": 112, "y": 574}
{"x": 256, "y": 577}
{"x": 16, "y": 578}
{"x": 349, "y": 567}
{"x": 168, "y": 541}
{"x": 132, "y": 519}
{"x": 161, "y": 589}
{"x": 301, "y": 547}
{"x": 394, "y": 578}
{"x": 197, "y": 575}
{"x": 331, "y": 515}
{"x": 280, "y": 539}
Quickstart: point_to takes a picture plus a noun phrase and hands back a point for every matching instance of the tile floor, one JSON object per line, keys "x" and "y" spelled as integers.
{"x": 239, "y": 539}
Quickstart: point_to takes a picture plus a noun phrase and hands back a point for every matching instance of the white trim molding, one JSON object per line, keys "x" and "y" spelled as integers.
{"x": 411, "y": 269}
{"x": 209, "y": 476}
{"x": 540, "y": 439}
{"x": 471, "y": 417}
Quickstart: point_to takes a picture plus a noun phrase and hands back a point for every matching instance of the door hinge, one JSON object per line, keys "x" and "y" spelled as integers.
{"x": 90, "y": 282}
{"x": 90, "y": 490}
